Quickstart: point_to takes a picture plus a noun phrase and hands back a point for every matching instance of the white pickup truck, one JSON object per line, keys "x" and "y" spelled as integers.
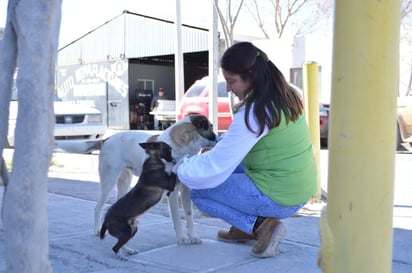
{"x": 165, "y": 112}
{"x": 77, "y": 126}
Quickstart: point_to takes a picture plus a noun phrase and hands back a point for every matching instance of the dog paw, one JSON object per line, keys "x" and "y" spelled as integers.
{"x": 188, "y": 240}
{"x": 183, "y": 240}
{"x": 195, "y": 240}
{"x": 121, "y": 257}
{"x": 129, "y": 251}
{"x": 124, "y": 252}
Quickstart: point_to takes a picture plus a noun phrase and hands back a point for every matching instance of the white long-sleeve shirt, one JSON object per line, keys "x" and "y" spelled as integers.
{"x": 212, "y": 168}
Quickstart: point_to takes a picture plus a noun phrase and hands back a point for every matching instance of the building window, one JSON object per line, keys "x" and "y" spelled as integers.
{"x": 143, "y": 84}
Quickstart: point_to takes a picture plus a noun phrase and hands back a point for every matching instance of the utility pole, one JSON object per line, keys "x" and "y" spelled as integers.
{"x": 179, "y": 68}
{"x": 356, "y": 227}
{"x": 213, "y": 67}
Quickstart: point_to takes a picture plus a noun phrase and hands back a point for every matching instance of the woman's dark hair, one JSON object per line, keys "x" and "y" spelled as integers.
{"x": 270, "y": 92}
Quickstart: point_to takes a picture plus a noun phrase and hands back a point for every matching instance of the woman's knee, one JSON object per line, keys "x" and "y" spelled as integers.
{"x": 197, "y": 199}
{"x": 195, "y": 194}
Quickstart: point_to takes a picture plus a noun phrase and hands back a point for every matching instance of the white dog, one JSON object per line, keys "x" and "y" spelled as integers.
{"x": 121, "y": 157}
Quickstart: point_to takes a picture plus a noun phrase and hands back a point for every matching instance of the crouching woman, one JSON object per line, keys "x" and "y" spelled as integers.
{"x": 263, "y": 168}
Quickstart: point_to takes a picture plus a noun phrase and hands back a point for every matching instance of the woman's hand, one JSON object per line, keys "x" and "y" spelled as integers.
{"x": 201, "y": 151}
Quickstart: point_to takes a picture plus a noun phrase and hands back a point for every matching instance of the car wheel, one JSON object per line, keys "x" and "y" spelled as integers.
{"x": 399, "y": 142}
{"x": 324, "y": 143}
{"x": 165, "y": 125}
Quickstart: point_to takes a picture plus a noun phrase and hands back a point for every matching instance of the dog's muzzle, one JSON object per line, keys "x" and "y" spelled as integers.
{"x": 213, "y": 137}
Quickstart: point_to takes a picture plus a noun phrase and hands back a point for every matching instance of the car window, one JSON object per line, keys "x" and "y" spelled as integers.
{"x": 201, "y": 88}
{"x": 221, "y": 89}
{"x": 196, "y": 90}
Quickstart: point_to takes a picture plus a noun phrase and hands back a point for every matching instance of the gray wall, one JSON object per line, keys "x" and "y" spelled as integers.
{"x": 163, "y": 76}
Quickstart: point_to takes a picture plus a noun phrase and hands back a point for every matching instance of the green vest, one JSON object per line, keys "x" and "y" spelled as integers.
{"x": 282, "y": 163}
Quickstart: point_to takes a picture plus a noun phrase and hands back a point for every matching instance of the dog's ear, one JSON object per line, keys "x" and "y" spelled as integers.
{"x": 166, "y": 151}
{"x": 155, "y": 145}
{"x": 183, "y": 133}
{"x": 144, "y": 145}
{"x": 200, "y": 122}
{"x": 149, "y": 145}
{"x": 164, "y": 145}
{"x": 153, "y": 138}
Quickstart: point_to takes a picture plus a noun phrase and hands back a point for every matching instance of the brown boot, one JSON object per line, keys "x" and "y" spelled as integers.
{"x": 269, "y": 234}
{"x": 235, "y": 235}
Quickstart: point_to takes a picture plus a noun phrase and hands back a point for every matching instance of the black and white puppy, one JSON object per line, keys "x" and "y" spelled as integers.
{"x": 154, "y": 180}
{"x": 118, "y": 163}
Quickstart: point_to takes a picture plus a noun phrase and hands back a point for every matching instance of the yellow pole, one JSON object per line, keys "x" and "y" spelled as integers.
{"x": 311, "y": 102}
{"x": 356, "y": 227}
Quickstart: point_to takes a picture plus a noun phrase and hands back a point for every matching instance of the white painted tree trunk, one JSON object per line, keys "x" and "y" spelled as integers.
{"x": 31, "y": 38}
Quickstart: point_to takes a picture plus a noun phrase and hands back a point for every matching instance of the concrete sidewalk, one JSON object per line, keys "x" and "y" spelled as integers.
{"x": 74, "y": 247}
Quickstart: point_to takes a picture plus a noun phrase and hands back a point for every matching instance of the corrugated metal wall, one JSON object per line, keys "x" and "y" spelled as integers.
{"x": 131, "y": 36}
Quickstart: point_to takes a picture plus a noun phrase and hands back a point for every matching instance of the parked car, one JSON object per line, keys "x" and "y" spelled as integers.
{"x": 196, "y": 101}
{"x": 165, "y": 113}
{"x": 404, "y": 122}
{"x": 76, "y": 125}
{"x": 324, "y": 123}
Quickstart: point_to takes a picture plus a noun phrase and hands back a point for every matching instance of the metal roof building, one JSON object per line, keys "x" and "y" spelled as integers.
{"x": 130, "y": 36}
{"x": 118, "y": 66}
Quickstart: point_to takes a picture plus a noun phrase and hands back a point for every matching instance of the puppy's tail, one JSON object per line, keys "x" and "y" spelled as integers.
{"x": 103, "y": 230}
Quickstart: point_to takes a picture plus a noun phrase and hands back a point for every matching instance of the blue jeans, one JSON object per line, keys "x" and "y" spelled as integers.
{"x": 155, "y": 123}
{"x": 239, "y": 202}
